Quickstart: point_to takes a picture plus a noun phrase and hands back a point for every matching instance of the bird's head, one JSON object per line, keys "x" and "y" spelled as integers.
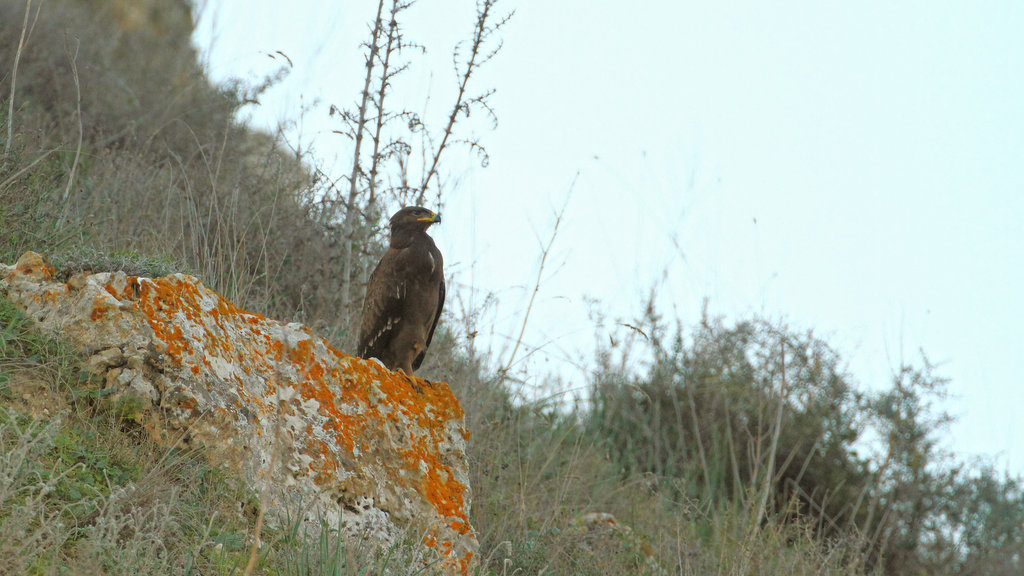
{"x": 413, "y": 217}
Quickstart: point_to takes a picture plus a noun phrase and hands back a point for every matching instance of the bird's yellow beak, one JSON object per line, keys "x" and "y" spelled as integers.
{"x": 433, "y": 218}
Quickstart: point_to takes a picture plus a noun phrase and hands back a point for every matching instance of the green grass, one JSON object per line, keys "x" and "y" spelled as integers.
{"x": 82, "y": 483}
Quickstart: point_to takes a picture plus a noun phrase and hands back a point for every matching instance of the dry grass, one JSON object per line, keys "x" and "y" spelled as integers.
{"x": 80, "y": 490}
{"x": 125, "y": 136}
{"x": 535, "y": 473}
{"x": 155, "y": 164}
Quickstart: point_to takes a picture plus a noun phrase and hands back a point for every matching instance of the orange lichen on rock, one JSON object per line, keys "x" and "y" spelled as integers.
{"x": 99, "y": 309}
{"x": 388, "y": 446}
{"x": 344, "y": 432}
{"x": 34, "y": 265}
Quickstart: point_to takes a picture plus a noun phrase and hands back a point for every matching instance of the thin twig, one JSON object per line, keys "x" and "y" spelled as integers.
{"x": 536, "y": 284}
{"x": 694, "y": 418}
{"x": 769, "y": 473}
{"x": 78, "y": 109}
{"x": 18, "y": 174}
{"x": 14, "y": 71}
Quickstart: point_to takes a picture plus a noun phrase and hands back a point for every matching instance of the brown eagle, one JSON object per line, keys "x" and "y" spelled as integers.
{"x": 405, "y": 294}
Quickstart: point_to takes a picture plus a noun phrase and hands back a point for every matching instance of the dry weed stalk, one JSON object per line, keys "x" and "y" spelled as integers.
{"x": 769, "y": 471}
{"x": 482, "y": 33}
{"x": 13, "y": 177}
{"x": 536, "y": 285}
{"x": 26, "y": 34}
{"x": 374, "y": 144}
{"x": 387, "y": 74}
{"x": 73, "y": 59}
{"x": 361, "y": 119}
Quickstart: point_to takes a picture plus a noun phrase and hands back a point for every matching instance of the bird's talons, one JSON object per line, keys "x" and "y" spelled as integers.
{"x": 412, "y": 379}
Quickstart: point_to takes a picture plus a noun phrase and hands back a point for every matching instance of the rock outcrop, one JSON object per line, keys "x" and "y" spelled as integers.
{"x": 346, "y": 441}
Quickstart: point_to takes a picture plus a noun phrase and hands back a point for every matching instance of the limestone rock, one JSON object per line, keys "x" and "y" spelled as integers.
{"x": 33, "y": 265}
{"x": 347, "y": 439}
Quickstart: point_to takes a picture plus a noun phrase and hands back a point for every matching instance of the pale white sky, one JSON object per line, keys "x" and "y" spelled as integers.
{"x": 855, "y": 167}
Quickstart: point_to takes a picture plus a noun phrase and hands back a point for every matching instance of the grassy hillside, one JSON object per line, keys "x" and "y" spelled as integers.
{"x": 734, "y": 450}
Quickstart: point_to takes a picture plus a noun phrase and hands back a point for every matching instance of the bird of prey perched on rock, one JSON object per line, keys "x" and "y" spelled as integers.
{"x": 405, "y": 294}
